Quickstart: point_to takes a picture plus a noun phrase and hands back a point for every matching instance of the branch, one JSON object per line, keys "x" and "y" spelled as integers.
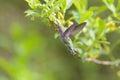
{"x": 100, "y": 62}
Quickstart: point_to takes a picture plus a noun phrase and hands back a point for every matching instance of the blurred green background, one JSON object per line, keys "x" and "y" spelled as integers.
{"x": 29, "y": 51}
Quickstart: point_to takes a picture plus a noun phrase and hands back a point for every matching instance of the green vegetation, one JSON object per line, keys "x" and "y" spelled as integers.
{"x": 92, "y": 42}
{"x": 29, "y": 51}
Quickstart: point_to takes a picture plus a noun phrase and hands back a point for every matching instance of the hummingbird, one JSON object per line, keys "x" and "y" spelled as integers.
{"x": 65, "y": 35}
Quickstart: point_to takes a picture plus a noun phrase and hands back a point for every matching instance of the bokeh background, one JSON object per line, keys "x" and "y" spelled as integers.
{"x": 29, "y": 51}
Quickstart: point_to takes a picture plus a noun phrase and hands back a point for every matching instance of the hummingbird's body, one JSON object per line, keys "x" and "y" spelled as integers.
{"x": 66, "y": 40}
{"x": 65, "y": 35}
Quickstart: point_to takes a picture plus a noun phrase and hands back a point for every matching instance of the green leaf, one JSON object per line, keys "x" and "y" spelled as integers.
{"x": 108, "y": 1}
{"x": 100, "y": 10}
{"x": 32, "y": 13}
{"x": 63, "y": 6}
{"x": 118, "y": 5}
{"x": 69, "y": 3}
{"x": 110, "y": 5}
{"x": 66, "y": 4}
{"x": 76, "y": 15}
{"x": 92, "y": 34}
{"x": 101, "y": 27}
{"x": 77, "y": 5}
{"x": 33, "y": 3}
{"x": 86, "y": 16}
{"x": 54, "y": 8}
{"x": 50, "y": 3}
{"x": 81, "y": 5}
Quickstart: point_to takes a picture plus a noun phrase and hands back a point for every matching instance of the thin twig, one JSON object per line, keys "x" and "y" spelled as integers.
{"x": 100, "y": 62}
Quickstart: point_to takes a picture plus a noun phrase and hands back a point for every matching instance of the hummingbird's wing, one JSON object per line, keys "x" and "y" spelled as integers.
{"x": 74, "y": 29}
